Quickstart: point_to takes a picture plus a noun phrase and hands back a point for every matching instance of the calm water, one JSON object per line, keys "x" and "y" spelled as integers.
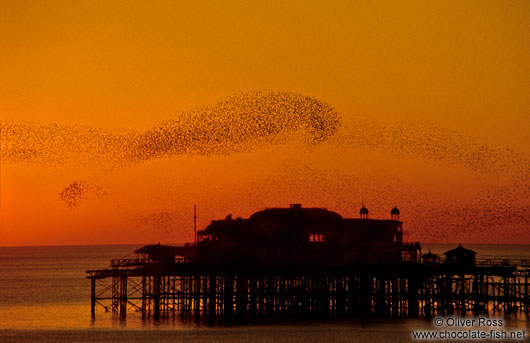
{"x": 45, "y": 297}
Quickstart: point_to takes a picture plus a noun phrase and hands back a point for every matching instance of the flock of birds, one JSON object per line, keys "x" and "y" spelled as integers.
{"x": 79, "y": 191}
{"x": 242, "y": 122}
{"x": 252, "y": 120}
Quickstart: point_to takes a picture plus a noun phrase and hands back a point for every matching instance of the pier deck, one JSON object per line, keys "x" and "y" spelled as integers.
{"x": 407, "y": 289}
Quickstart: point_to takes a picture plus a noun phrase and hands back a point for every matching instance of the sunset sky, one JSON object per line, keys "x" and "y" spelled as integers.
{"x": 420, "y": 104}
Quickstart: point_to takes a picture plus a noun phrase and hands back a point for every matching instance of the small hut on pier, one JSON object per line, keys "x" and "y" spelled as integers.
{"x": 430, "y": 259}
{"x": 460, "y": 256}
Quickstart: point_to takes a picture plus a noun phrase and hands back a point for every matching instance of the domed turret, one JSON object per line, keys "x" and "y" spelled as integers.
{"x": 394, "y": 213}
{"x": 364, "y": 212}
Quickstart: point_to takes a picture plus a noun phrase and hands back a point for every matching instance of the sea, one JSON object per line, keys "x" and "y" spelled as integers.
{"x": 45, "y": 297}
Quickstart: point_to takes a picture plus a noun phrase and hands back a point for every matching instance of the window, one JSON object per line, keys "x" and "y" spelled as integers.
{"x": 408, "y": 256}
{"x": 316, "y": 237}
{"x": 204, "y": 238}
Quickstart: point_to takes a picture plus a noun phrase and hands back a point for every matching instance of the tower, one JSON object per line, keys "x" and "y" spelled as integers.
{"x": 394, "y": 213}
{"x": 364, "y": 212}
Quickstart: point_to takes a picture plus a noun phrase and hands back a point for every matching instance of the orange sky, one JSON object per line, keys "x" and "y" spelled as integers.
{"x": 432, "y": 96}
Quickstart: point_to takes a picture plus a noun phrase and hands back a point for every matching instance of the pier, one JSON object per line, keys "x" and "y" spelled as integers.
{"x": 324, "y": 276}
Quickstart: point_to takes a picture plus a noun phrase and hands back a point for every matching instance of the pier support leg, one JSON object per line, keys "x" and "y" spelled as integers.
{"x": 340, "y": 298}
{"x": 212, "y": 297}
{"x": 352, "y": 296}
{"x": 366, "y": 296}
{"x": 261, "y": 296}
{"x": 123, "y": 296}
{"x": 253, "y": 304}
{"x": 526, "y": 295}
{"x": 197, "y": 295}
{"x": 241, "y": 297}
{"x": 228, "y": 298}
{"x": 156, "y": 296}
{"x": 413, "y": 297}
{"x": 395, "y": 297}
{"x": 381, "y": 297}
{"x": 93, "y": 297}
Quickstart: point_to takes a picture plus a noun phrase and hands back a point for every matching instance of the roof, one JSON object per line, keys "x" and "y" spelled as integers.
{"x": 459, "y": 250}
{"x": 155, "y": 249}
{"x": 298, "y": 212}
{"x": 164, "y": 251}
{"x": 302, "y": 216}
{"x": 429, "y": 255}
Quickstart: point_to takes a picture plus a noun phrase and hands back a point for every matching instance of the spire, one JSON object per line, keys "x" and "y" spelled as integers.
{"x": 394, "y": 213}
{"x": 364, "y": 212}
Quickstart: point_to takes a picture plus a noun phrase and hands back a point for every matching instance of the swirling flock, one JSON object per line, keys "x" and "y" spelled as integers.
{"x": 253, "y": 120}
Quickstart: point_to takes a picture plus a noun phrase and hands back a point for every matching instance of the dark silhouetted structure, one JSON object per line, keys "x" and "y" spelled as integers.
{"x": 460, "y": 256}
{"x": 306, "y": 262}
{"x": 394, "y": 213}
{"x": 299, "y": 237}
{"x": 430, "y": 258}
{"x": 364, "y": 212}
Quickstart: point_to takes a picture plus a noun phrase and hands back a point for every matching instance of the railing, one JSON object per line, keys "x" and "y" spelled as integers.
{"x": 496, "y": 262}
{"x": 503, "y": 262}
{"x": 486, "y": 262}
{"x": 129, "y": 262}
{"x": 136, "y": 262}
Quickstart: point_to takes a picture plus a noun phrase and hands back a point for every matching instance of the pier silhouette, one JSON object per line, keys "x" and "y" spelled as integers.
{"x": 308, "y": 263}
